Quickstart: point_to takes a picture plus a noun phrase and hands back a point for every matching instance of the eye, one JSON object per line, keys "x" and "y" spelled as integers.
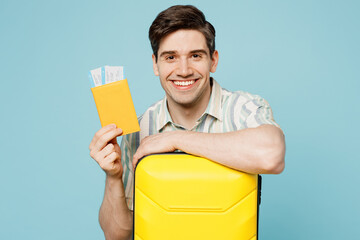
{"x": 171, "y": 57}
{"x": 196, "y": 55}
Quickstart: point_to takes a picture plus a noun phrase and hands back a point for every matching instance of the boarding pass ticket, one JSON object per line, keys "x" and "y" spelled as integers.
{"x": 105, "y": 74}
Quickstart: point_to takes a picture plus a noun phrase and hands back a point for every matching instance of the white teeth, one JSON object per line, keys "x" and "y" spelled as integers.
{"x": 184, "y": 83}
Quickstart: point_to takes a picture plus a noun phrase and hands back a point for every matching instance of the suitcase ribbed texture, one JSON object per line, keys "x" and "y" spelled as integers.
{"x": 180, "y": 196}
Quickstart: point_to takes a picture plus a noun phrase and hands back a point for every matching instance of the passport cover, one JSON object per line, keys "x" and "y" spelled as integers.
{"x": 114, "y": 105}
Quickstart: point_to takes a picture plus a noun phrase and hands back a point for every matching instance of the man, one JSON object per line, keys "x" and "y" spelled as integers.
{"x": 196, "y": 116}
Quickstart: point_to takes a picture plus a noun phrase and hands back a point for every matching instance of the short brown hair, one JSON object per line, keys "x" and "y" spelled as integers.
{"x": 180, "y": 17}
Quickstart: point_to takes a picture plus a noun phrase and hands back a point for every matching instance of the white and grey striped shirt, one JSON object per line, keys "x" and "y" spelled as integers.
{"x": 227, "y": 111}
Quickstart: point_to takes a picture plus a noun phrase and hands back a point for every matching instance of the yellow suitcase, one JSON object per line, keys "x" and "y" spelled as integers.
{"x": 184, "y": 197}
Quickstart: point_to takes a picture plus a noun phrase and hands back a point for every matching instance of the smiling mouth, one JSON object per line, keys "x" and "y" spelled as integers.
{"x": 184, "y": 83}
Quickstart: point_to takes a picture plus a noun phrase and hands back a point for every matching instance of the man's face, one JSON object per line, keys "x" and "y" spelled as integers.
{"x": 184, "y": 65}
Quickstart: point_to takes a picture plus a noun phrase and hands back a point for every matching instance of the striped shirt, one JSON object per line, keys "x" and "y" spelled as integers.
{"x": 227, "y": 111}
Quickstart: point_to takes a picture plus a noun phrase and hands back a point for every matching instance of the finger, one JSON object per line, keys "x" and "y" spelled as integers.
{"x": 137, "y": 156}
{"x": 103, "y": 141}
{"x": 146, "y": 147}
{"x": 99, "y": 133}
{"x": 100, "y": 155}
{"x": 107, "y": 150}
{"x": 106, "y": 138}
{"x": 134, "y": 162}
{"x": 114, "y": 140}
{"x": 109, "y": 162}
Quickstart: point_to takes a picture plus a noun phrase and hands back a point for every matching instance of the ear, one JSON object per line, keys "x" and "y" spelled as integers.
{"x": 214, "y": 61}
{"x": 155, "y": 67}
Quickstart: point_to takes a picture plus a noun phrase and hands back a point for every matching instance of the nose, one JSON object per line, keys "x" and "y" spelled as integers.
{"x": 184, "y": 69}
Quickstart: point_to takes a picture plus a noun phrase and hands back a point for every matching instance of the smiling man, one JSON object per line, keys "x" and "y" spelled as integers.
{"x": 184, "y": 63}
{"x": 196, "y": 116}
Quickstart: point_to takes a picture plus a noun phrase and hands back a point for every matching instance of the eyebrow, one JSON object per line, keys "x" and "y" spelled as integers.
{"x": 167, "y": 53}
{"x": 199, "y": 51}
{"x": 193, "y": 51}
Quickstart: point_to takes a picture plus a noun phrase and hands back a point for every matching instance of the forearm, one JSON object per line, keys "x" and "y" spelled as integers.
{"x": 115, "y": 218}
{"x": 253, "y": 150}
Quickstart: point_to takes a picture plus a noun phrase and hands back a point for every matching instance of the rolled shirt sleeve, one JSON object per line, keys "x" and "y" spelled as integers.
{"x": 259, "y": 113}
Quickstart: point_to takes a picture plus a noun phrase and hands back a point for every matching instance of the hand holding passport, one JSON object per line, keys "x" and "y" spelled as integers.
{"x": 113, "y": 99}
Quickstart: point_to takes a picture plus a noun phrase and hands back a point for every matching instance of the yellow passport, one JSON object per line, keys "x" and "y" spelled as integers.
{"x": 114, "y": 105}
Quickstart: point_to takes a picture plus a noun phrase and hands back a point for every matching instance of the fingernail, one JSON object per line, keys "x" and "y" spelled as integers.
{"x": 112, "y": 125}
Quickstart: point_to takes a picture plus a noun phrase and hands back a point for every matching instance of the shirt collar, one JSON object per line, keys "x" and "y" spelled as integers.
{"x": 213, "y": 109}
{"x": 164, "y": 115}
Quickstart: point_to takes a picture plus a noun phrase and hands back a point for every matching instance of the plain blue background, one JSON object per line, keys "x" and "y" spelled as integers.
{"x": 302, "y": 56}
